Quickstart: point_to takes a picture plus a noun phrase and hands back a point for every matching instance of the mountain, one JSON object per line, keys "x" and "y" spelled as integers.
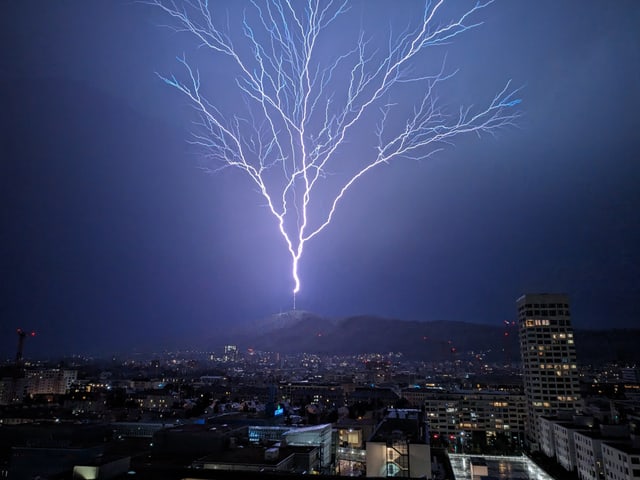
{"x": 296, "y": 332}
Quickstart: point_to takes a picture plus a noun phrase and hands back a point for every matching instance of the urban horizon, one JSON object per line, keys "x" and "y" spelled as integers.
{"x": 373, "y": 414}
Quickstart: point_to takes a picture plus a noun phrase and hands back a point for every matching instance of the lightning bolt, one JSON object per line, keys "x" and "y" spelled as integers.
{"x": 301, "y": 107}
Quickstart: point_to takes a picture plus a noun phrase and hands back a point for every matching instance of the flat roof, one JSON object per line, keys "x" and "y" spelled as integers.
{"x": 252, "y": 455}
{"x": 625, "y": 447}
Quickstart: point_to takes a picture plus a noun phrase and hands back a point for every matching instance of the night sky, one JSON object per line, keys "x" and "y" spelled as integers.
{"x": 111, "y": 236}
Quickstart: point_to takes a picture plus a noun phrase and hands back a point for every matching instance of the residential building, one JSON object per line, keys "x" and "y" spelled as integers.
{"x": 550, "y": 372}
{"x": 49, "y": 381}
{"x": 588, "y": 448}
{"x": 491, "y": 412}
{"x": 621, "y": 461}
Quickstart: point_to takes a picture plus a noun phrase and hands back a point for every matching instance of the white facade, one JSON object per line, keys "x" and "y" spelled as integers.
{"x": 452, "y": 412}
{"x": 52, "y": 381}
{"x": 588, "y": 449}
{"x": 565, "y": 445}
{"x": 550, "y": 372}
{"x": 546, "y": 441}
{"x": 316, "y": 436}
{"x": 620, "y": 461}
{"x": 588, "y": 452}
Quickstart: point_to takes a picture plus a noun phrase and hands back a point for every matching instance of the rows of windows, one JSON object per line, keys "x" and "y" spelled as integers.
{"x": 545, "y": 313}
{"x": 536, "y": 322}
{"x": 555, "y": 366}
{"x": 543, "y": 305}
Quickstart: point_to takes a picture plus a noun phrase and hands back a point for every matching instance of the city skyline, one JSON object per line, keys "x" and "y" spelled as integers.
{"x": 112, "y": 233}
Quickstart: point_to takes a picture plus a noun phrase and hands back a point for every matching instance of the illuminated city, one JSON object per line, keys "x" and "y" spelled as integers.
{"x": 267, "y": 239}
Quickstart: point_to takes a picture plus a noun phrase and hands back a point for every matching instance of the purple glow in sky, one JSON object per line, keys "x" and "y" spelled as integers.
{"x": 111, "y": 235}
{"x": 298, "y": 105}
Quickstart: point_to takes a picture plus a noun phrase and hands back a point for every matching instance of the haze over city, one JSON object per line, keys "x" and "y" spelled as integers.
{"x": 111, "y": 233}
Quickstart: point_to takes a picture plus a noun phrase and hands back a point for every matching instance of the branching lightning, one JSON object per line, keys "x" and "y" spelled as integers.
{"x": 301, "y": 107}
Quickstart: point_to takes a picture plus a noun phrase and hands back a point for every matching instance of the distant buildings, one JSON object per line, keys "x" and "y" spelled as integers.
{"x": 376, "y": 415}
{"x": 230, "y": 353}
{"x": 32, "y": 382}
{"x": 550, "y": 371}
{"x": 50, "y": 381}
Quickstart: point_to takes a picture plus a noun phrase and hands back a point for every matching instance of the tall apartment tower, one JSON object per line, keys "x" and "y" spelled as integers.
{"x": 550, "y": 372}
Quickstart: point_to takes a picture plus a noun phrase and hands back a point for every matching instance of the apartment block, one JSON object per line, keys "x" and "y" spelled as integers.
{"x": 449, "y": 413}
{"x": 621, "y": 461}
{"x": 550, "y": 372}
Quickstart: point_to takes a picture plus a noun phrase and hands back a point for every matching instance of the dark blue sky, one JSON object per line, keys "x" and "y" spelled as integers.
{"x": 111, "y": 236}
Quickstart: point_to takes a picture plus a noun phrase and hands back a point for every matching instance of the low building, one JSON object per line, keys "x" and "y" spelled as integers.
{"x": 565, "y": 448}
{"x": 303, "y": 393}
{"x": 272, "y": 459}
{"x": 316, "y": 435}
{"x": 486, "y": 412}
{"x": 621, "y": 461}
{"x": 103, "y": 468}
{"x": 351, "y": 454}
{"x": 547, "y": 442}
{"x": 49, "y": 381}
{"x": 138, "y": 429}
{"x": 399, "y": 446}
{"x": 44, "y": 462}
{"x": 155, "y": 400}
{"x": 588, "y": 449}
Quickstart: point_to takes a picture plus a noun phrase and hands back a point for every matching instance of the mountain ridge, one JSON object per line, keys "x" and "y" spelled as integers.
{"x": 437, "y": 340}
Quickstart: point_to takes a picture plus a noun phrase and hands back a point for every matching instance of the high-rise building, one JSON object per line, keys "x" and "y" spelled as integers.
{"x": 550, "y": 372}
{"x": 230, "y": 353}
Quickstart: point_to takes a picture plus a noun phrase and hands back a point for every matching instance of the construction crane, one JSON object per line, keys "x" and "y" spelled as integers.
{"x": 18, "y": 374}
{"x": 21, "y": 337}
